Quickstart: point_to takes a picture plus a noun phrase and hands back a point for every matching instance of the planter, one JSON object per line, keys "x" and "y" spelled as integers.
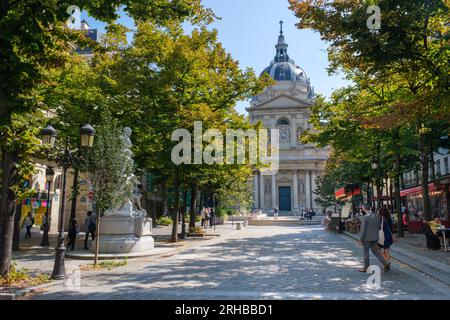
{"x": 195, "y": 234}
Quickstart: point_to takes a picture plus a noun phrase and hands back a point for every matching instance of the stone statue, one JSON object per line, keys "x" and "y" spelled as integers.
{"x": 127, "y": 198}
{"x": 125, "y": 227}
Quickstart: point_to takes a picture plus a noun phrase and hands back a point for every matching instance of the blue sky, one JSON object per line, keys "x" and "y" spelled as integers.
{"x": 249, "y": 30}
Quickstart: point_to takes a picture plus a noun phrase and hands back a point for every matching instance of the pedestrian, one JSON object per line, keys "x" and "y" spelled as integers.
{"x": 369, "y": 236}
{"x": 203, "y": 216}
{"x": 212, "y": 217}
{"x": 90, "y": 227}
{"x": 207, "y": 216}
{"x": 386, "y": 230}
{"x": 275, "y": 213}
{"x": 28, "y": 223}
{"x": 73, "y": 231}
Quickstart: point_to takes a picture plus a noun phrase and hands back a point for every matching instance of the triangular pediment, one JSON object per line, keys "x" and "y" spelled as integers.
{"x": 282, "y": 101}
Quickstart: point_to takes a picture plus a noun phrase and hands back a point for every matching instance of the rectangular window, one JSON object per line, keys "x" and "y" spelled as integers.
{"x": 446, "y": 165}
{"x": 438, "y": 167}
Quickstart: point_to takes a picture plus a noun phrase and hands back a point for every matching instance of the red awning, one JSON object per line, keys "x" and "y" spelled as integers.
{"x": 416, "y": 190}
{"x": 340, "y": 193}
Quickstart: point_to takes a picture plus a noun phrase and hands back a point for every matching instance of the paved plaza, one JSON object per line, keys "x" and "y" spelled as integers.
{"x": 275, "y": 262}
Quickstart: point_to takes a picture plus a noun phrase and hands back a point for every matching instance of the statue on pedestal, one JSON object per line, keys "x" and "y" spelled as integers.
{"x": 127, "y": 198}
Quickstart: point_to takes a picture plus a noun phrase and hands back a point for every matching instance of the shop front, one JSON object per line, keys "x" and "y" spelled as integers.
{"x": 413, "y": 203}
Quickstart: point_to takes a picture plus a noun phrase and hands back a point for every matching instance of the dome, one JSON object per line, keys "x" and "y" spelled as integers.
{"x": 282, "y": 68}
{"x": 286, "y": 71}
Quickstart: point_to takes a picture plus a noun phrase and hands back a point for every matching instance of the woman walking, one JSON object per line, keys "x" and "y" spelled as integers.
{"x": 386, "y": 228}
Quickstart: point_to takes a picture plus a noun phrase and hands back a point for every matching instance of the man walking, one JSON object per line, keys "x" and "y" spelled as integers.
{"x": 90, "y": 227}
{"x": 212, "y": 217}
{"x": 370, "y": 227}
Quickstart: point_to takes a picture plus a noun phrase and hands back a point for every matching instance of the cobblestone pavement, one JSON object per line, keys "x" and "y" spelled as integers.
{"x": 256, "y": 263}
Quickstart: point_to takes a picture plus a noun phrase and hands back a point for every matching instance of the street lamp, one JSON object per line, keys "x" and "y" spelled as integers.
{"x": 49, "y": 174}
{"x": 65, "y": 160}
{"x": 87, "y": 134}
{"x": 49, "y": 136}
{"x": 155, "y": 190}
{"x": 375, "y": 164}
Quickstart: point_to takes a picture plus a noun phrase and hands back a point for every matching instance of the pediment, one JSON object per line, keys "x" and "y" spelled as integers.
{"x": 282, "y": 101}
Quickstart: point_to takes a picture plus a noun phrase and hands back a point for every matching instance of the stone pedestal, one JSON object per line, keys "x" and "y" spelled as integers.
{"x": 124, "y": 234}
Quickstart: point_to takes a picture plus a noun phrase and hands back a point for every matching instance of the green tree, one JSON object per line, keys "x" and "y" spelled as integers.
{"x": 107, "y": 169}
{"x": 167, "y": 80}
{"x": 410, "y": 51}
{"x": 33, "y": 40}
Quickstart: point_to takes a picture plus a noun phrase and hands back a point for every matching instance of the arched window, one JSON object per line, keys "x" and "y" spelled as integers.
{"x": 283, "y": 126}
{"x": 283, "y": 122}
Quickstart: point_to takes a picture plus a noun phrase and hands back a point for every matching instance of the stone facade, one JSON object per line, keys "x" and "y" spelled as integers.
{"x": 286, "y": 106}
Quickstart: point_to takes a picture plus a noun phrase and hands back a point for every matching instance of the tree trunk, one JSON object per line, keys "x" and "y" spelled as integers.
{"x": 75, "y": 186}
{"x": 433, "y": 170}
{"x": 176, "y": 208}
{"x": 183, "y": 215}
{"x": 397, "y": 175}
{"x": 425, "y": 179}
{"x": 16, "y": 236}
{"x": 7, "y": 210}
{"x": 193, "y": 211}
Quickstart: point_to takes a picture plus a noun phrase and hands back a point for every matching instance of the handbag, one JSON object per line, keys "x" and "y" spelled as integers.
{"x": 381, "y": 234}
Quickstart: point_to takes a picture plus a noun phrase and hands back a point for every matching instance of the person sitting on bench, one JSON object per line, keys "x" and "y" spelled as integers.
{"x": 433, "y": 242}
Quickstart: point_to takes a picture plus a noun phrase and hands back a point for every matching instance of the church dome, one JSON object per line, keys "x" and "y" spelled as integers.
{"x": 282, "y": 68}
{"x": 286, "y": 71}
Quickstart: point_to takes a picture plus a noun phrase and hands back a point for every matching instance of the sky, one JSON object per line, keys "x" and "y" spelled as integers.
{"x": 249, "y": 29}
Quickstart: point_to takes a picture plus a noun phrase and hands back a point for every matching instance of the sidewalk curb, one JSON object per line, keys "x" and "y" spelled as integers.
{"x": 25, "y": 291}
{"x": 409, "y": 262}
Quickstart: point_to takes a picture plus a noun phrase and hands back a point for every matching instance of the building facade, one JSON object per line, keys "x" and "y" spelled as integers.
{"x": 286, "y": 106}
{"x": 439, "y": 188}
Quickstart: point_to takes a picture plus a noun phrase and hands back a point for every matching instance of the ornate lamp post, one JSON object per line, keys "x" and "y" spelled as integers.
{"x": 376, "y": 168}
{"x": 49, "y": 174}
{"x": 155, "y": 190}
{"x": 65, "y": 160}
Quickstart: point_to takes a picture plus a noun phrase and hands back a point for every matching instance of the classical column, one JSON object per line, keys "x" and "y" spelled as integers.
{"x": 313, "y": 188}
{"x": 293, "y": 132}
{"x": 295, "y": 188}
{"x": 274, "y": 191}
{"x": 261, "y": 191}
{"x": 255, "y": 191}
{"x": 308, "y": 189}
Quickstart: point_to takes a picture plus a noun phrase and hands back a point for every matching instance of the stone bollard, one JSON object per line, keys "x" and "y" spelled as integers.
{"x": 238, "y": 226}
{"x": 245, "y": 223}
